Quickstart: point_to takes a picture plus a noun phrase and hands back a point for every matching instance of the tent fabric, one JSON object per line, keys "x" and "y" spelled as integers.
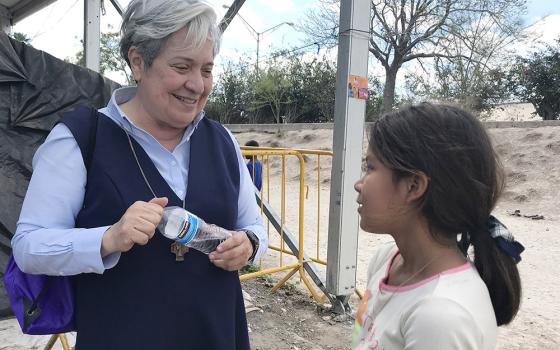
{"x": 11, "y": 67}
{"x": 35, "y": 90}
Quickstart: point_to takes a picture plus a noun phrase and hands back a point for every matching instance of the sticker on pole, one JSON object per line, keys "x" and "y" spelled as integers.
{"x": 357, "y": 87}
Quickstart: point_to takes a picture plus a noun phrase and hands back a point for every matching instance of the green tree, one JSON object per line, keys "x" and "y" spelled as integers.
{"x": 230, "y": 98}
{"x": 375, "y": 99}
{"x": 312, "y": 85}
{"x": 536, "y": 79}
{"x": 272, "y": 91}
{"x": 21, "y": 37}
{"x": 289, "y": 88}
{"x": 321, "y": 84}
{"x": 109, "y": 57}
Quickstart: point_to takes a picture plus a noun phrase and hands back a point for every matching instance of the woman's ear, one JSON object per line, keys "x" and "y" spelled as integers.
{"x": 136, "y": 63}
{"x": 417, "y": 185}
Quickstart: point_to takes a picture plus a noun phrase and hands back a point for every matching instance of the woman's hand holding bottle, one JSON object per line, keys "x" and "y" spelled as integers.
{"x": 136, "y": 226}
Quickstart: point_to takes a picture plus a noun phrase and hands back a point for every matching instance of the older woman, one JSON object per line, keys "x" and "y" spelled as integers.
{"x": 154, "y": 147}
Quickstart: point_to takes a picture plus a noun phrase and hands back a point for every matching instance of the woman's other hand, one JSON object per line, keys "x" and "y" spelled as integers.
{"x": 136, "y": 226}
{"x": 233, "y": 253}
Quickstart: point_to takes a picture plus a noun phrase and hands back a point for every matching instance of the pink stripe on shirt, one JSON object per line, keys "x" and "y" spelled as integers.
{"x": 390, "y": 288}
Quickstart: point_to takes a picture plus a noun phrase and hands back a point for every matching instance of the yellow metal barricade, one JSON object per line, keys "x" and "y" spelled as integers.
{"x": 302, "y": 157}
{"x": 54, "y": 338}
{"x": 304, "y": 254}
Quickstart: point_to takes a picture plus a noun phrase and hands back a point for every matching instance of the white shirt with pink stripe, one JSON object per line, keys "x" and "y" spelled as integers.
{"x": 451, "y": 310}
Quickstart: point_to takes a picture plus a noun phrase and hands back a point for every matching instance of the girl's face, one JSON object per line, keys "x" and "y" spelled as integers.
{"x": 382, "y": 202}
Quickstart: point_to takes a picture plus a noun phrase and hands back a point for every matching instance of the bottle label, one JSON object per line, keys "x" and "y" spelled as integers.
{"x": 183, "y": 229}
{"x": 188, "y": 230}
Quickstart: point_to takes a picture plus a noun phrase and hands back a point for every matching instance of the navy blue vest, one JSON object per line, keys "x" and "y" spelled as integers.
{"x": 148, "y": 300}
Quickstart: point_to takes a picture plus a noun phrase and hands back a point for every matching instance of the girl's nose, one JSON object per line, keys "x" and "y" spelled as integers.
{"x": 358, "y": 185}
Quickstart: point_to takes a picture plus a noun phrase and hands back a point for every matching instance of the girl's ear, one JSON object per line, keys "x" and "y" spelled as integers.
{"x": 136, "y": 63}
{"x": 417, "y": 185}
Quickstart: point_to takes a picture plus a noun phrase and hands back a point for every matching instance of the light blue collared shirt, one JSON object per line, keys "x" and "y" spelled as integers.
{"x": 46, "y": 240}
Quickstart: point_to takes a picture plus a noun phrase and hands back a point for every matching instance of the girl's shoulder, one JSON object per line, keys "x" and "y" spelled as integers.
{"x": 381, "y": 258}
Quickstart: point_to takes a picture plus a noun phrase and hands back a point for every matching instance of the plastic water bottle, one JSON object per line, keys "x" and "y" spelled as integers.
{"x": 186, "y": 228}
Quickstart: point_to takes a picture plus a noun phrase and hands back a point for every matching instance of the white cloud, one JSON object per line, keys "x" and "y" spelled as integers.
{"x": 544, "y": 31}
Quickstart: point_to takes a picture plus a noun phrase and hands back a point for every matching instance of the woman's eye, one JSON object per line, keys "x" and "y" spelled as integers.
{"x": 182, "y": 68}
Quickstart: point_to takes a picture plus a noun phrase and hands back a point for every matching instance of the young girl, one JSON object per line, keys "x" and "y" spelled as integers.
{"x": 432, "y": 177}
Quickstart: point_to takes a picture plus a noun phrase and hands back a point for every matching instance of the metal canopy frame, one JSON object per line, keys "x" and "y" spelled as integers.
{"x": 16, "y": 10}
{"x": 348, "y": 126}
{"x": 13, "y": 11}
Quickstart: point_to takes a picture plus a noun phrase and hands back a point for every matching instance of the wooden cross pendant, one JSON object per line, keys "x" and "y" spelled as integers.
{"x": 179, "y": 250}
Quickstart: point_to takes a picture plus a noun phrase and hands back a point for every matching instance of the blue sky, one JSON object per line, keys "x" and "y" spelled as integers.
{"x": 541, "y": 8}
{"x": 57, "y": 28}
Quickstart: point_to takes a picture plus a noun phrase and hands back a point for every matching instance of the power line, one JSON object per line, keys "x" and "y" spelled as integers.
{"x": 323, "y": 42}
{"x": 282, "y": 54}
{"x": 286, "y": 53}
{"x": 55, "y": 22}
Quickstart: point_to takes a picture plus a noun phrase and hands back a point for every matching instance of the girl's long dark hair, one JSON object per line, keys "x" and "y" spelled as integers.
{"x": 453, "y": 149}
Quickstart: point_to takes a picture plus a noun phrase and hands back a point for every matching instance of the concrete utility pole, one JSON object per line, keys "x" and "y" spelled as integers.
{"x": 5, "y": 22}
{"x": 92, "y": 33}
{"x": 350, "y": 104}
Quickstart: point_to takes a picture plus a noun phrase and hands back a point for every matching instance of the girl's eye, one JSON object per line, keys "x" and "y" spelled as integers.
{"x": 367, "y": 167}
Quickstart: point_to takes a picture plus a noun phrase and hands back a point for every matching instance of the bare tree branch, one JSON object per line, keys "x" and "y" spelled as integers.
{"x": 465, "y": 34}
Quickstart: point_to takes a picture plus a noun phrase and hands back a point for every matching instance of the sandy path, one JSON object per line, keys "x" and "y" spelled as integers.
{"x": 532, "y": 161}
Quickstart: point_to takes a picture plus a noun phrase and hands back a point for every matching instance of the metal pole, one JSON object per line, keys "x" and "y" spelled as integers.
{"x": 117, "y": 7}
{"x": 350, "y": 103}
{"x": 92, "y": 33}
{"x": 5, "y": 24}
{"x": 230, "y": 14}
{"x": 258, "y": 44}
{"x": 228, "y": 18}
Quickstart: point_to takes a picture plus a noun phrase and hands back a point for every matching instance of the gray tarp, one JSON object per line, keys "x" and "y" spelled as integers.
{"x": 35, "y": 89}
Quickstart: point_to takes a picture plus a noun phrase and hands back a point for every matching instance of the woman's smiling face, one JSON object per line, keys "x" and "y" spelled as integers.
{"x": 175, "y": 88}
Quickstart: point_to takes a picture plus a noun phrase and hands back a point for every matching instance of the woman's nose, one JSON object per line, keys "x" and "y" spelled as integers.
{"x": 195, "y": 83}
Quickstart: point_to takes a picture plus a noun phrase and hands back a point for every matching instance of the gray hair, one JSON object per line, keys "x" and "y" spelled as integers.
{"x": 147, "y": 24}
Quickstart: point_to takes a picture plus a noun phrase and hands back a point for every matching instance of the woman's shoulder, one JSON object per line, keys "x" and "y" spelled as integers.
{"x": 216, "y": 127}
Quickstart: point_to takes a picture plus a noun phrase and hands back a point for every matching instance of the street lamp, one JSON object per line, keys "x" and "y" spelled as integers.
{"x": 258, "y": 34}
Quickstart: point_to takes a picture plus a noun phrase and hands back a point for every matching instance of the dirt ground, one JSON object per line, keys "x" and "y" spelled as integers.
{"x": 289, "y": 319}
{"x": 528, "y": 207}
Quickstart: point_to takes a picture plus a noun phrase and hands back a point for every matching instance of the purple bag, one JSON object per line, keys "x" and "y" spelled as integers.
{"x": 45, "y": 304}
{"x": 42, "y": 304}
